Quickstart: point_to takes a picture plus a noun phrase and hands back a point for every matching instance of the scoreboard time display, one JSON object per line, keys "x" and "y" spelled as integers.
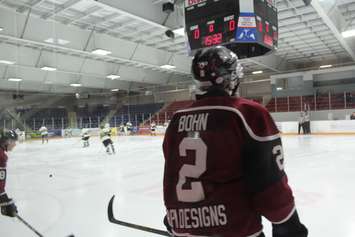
{"x": 248, "y": 27}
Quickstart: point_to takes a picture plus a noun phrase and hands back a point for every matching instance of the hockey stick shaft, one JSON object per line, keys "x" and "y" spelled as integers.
{"x": 29, "y": 226}
{"x": 112, "y": 219}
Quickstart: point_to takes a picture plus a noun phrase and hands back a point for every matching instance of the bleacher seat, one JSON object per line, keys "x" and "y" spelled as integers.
{"x": 167, "y": 113}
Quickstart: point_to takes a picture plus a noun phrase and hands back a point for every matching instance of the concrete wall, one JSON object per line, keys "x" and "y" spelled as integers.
{"x": 38, "y": 100}
{"x": 174, "y": 96}
{"x": 132, "y": 100}
{"x": 162, "y": 97}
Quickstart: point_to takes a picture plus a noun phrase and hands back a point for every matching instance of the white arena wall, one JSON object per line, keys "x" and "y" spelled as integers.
{"x": 322, "y": 122}
{"x": 325, "y": 127}
{"x": 331, "y": 122}
{"x": 329, "y": 127}
{"x": 342, "y": 114}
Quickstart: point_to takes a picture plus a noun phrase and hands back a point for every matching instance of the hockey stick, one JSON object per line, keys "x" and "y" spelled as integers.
{"x": 112, "y": 219}
{"x": 31, "y": 228}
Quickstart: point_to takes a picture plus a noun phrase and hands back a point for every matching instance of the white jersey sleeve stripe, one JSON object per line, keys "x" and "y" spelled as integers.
{"x": 287, "y": 217}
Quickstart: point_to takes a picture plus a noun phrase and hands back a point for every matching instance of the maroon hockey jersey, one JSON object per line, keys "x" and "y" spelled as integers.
{"x": 224, "y": 169}
{"x": 3, "y": 161}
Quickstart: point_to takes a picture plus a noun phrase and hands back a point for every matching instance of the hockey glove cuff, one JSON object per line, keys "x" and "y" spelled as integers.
{"x": 291, "y": 228}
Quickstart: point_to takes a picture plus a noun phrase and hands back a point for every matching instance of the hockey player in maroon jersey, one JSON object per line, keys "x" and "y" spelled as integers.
{"x": 224, "y": 164}
{"x": 7, "y": 143}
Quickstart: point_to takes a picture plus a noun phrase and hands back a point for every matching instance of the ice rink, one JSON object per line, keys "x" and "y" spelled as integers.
{"x": 74, "y": 200}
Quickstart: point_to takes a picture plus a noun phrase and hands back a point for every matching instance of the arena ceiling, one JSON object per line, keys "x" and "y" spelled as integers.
{"x": 40, "y": 36}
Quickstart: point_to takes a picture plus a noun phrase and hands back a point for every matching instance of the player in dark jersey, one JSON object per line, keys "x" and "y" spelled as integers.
{"x": 7, "y": 143}
{"x": 224, "y": 164}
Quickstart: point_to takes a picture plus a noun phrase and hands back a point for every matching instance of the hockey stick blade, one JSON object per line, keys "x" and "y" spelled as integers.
{"x": 112, "y": 219}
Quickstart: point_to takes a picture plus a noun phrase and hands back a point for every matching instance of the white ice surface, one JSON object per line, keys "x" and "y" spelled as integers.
{"x": 321, "y": 171}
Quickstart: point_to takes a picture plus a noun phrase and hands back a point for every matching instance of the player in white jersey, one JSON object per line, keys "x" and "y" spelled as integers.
{"x": 44, "y": 133}
{"x": 129, "y": 128}
{"x": 121, "y": 130}
{"x": 68, "y": 132}
{"x": 17, "y": 131}
{"x": 105, "y": 135}
{"x": 21, "y": 135}
{"x": 85, "y": 136}
{"x": 153, "y": 128}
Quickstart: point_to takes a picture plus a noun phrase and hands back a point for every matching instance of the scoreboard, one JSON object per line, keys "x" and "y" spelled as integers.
{"x": 248, "y": 27}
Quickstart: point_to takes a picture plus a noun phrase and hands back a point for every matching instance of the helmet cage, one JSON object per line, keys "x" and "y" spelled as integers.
{"x": 216, "y": 66}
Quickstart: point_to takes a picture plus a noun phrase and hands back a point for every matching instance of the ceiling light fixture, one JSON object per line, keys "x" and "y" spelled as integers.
{"x": 57, "y": 41}
{"x": 113, "y": 76}
{"x": 101, "y": 52}
{"x": 50, "y": 40}
{"x": 50, "y": 69}
{"x": 1, "y": 29}
{"x": 63, "y": 42}
{"x": 7, "y": 62}
{"x": 15, "y": 79}
{"x": 326, "y": 66}
{"x": 348, "y": 33}
{"x": 167, "y": 66}
{"x": 75, "y": 85}
{"x": 279, "y": 88}
{"x": 115, "y": 90}
{"x": 257, "y": 72}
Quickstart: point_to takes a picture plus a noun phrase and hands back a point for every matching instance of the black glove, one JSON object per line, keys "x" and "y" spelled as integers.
{"x": 8, "y": 207}
{"x": 291, "y": 228}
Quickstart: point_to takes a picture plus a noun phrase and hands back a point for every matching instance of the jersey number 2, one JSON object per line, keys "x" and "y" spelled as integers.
{"x": 278, "y": 151}
{"x": 196, "y": 192}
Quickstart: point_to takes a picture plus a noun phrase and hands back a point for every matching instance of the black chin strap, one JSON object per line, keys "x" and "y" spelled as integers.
{"x": 3, "y": 146}
{"x": 235, "y": 89}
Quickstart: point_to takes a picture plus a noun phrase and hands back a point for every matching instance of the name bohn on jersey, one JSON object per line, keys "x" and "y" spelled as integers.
{"x": 224, "y": 169}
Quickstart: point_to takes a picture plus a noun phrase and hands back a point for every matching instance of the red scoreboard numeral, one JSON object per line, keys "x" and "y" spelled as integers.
{"x": 197, "y": 34}
{"x": 231, "y": 25}
{"x": 260, "y": 24}
{"x": 213, "y": 39}
{"x": 217, "y": 38}
{"x": 208, "y": 41}
{"x": 211, "y": 28}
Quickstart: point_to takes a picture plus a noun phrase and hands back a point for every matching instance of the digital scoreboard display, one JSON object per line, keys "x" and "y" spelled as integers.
{"x": 210, "y": 22}
{"x": 224, "y": 22}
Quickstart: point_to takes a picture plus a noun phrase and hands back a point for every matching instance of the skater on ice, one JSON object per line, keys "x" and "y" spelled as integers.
{"x": 7, "y": 143}
{"x": 224, "y": 163}
{"x": 44, "y": 133}
{"x": 85, "y": 136}
{"x": 105, "y": 135}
